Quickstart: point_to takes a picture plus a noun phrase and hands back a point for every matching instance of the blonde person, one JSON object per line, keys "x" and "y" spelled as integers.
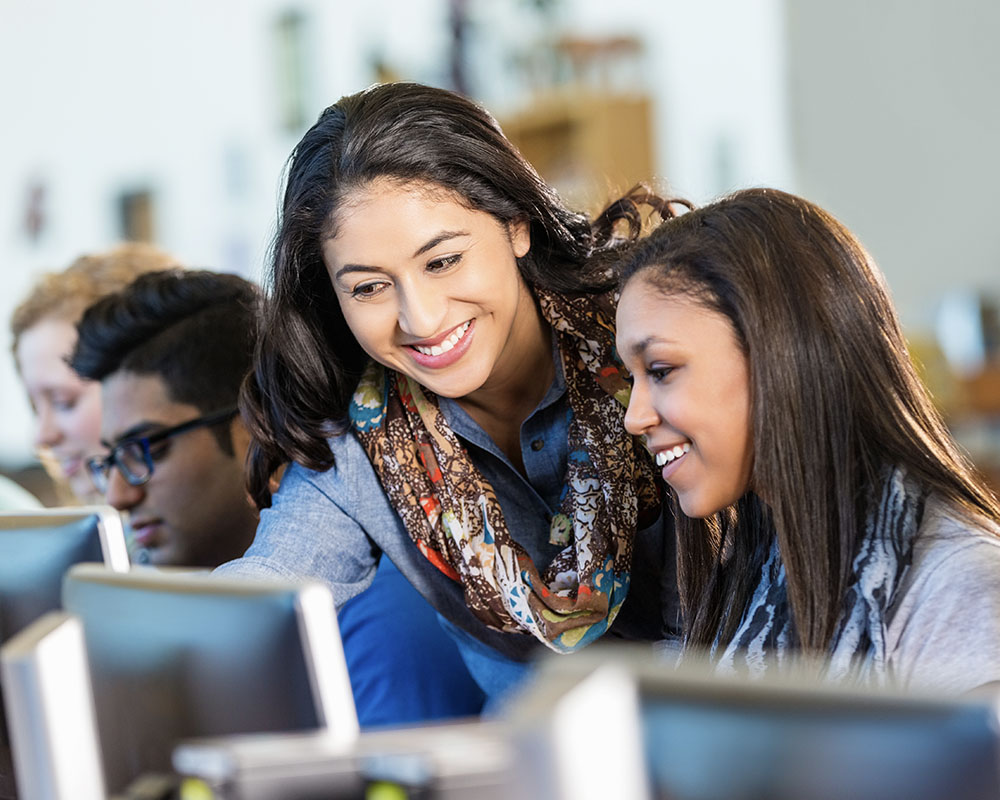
{"x": 822, "y": 505}
{"x": 68, "y": 409}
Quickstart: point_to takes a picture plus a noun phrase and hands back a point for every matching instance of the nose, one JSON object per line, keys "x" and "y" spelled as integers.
{"x": 421, "y": 309}
{"x": 121, "y": 494}
{"x": 640, "y": 415}
{"x": 47, "y": 432}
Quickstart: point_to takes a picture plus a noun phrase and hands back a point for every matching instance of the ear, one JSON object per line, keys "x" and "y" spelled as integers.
{"x": 241, "y": 439}
{"x": 520, "y": 236}
{"x": 275, "y": 481}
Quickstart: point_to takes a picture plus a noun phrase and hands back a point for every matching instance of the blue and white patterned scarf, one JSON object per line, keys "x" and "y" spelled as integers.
{"x": 766, "y": 637}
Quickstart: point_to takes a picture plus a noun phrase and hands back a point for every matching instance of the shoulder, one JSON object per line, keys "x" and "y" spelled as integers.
{"x": 327, "y": 525}
{"x": 953, "y": 542}
{"x": 944, "y": 628}
{"x": 351, "y": 473}
{"x": 350, "y": 487}
{"x": 348, "y": 492}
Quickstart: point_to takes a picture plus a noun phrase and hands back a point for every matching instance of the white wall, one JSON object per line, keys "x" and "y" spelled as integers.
{"x": 895, "y": 129}
{"x": 182, "y": 97}
{"x": 178, "y": 96}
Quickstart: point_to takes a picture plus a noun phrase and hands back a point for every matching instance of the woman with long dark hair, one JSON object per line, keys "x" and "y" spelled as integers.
{"x": 436, "y": 363}
{"x": 824, "y": 507}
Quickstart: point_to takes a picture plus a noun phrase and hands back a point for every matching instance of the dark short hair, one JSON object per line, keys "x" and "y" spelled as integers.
{"x": 194, "y": 329}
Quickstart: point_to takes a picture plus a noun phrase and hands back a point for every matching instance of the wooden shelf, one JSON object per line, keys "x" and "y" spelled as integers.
{"x": 591, "y": 146}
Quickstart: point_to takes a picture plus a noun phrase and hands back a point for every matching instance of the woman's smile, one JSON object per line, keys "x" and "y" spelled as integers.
{"x": 443, "y": 351}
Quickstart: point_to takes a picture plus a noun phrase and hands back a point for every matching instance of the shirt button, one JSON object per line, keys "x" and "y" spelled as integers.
{"x": 538, "y": 444}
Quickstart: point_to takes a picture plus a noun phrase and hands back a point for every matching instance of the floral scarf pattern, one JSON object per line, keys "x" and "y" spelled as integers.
{"x": 454, "y": 517}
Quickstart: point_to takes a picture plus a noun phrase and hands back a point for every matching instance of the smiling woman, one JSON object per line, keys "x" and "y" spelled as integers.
{"x": 690, "y": 395}
{"x": 825, "y": 506}
{"x": 437, "y": 364}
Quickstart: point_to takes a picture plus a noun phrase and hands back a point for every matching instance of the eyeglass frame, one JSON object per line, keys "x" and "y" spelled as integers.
{"x": 99, "y": 467}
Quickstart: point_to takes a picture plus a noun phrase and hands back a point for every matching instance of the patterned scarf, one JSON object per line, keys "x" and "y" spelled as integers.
{"x": 452, "y": 513}
{"x": 766, "y": 634}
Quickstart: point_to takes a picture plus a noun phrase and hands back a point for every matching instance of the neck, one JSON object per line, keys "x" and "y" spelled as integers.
{"x": 519, "y": 381}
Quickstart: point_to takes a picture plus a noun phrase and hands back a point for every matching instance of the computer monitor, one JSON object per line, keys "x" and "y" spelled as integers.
{"x": 704, "y": 737}
{"x": 36, "y": 549}
{"x": 51, "y": 712}
{"x": 179, "y": 655}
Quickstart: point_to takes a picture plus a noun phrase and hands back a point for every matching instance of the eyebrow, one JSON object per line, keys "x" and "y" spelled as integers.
{"x": 444, "y": 236}
{"x": 640, "y": 347}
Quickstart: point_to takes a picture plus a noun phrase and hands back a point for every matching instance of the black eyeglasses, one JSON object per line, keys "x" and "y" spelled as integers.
{"x": 133, "y": 456}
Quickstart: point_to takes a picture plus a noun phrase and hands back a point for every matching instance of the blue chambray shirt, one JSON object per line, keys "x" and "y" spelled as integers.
{"x": 332, "y": 526}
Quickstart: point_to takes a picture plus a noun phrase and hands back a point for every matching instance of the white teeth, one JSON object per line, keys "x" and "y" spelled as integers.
{"x": 664, "y": 457}
{"x": 447, "y": 344}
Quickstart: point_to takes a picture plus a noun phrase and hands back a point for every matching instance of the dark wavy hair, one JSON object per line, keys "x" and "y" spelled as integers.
{"x": 194, "y": 329}
{"x": 834, "y": 395}
{"x": 307, "y": 362}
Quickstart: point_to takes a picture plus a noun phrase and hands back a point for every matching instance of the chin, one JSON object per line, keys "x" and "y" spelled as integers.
{"x": 696, "y": 508}
{"x": 161, "y": 557}
{"x": 452, "y": 389}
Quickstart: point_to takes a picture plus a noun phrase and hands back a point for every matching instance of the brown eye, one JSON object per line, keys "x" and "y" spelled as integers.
{"x": 445, "y": 263}
{"x": 368, "y": 289}
{"x": 658, "y": 372}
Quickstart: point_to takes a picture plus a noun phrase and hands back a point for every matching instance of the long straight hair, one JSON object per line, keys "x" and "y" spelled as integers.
{"x": 834, "y": 396}
{"x": 308, "y": 362}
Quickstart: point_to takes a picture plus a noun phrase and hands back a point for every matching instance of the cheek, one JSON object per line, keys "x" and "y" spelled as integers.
{"x": 181, "y": 483}
{"x": 674, "y": 408}
{"x": 495, "y": 281}
{"x": 748, "y": 448}
{"x": 372, "y": 325}
{"x": 740, "y": 436}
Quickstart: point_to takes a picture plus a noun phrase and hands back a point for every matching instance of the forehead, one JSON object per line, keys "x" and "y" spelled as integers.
{"x": 46, "y": 343}
{"x": 129, "y": 399}
{"x": 647, "y": 314}
{"x": 389, "y": 216}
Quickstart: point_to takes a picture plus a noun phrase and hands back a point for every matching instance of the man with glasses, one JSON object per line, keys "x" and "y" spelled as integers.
{"x": 171, "y": 351}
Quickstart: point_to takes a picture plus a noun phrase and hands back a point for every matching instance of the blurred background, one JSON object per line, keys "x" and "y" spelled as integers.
{"x": 170, "y": 121}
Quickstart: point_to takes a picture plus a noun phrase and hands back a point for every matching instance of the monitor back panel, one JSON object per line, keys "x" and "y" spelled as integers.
{"x": 33, "y": 561}
{"x": 726, "y": 747}
{"x": 168, "y": 665}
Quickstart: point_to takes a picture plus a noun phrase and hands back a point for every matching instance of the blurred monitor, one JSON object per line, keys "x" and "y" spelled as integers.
{"x": 51, "y": 712}
{"x": 36, "y": 549}
{"x": 706, "y": 738}
{"x": 180, "y": 655}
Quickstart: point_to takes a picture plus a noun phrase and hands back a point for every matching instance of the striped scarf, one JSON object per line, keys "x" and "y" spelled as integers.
{"x": 766, "y": 635}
